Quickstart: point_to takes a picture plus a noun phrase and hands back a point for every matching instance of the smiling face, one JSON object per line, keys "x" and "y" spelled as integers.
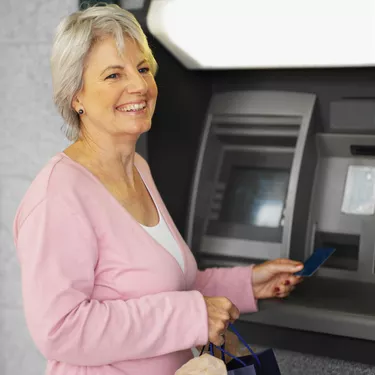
{"x": 119, "y": 91}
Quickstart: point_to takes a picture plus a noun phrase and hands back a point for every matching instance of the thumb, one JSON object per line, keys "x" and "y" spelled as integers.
{"x": 286, "y": 266}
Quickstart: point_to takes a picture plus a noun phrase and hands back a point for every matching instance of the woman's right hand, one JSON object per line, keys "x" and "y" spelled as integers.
{"x": 220, "y": 312}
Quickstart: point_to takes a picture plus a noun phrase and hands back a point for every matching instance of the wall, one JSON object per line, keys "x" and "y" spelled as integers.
{"x": 30, "y": 135}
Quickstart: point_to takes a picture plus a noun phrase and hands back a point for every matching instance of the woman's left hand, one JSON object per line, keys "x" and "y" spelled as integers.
{"x": 275, "y": 278}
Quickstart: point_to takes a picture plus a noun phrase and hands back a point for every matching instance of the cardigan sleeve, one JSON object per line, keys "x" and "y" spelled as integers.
{"x": 58, "y": 253}
{"x": 233, "y": 283}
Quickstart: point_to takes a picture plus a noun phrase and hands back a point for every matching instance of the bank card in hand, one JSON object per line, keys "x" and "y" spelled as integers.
{"x": 312, "y": 264}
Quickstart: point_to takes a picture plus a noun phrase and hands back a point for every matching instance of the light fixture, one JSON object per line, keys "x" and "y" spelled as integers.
{"x": 242, "y": 34}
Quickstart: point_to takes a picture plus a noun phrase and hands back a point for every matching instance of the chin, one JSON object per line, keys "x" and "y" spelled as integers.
{"x": 136, "y": 129}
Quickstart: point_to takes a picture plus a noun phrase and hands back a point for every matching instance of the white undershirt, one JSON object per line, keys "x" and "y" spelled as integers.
{"x": 164, "y": 237}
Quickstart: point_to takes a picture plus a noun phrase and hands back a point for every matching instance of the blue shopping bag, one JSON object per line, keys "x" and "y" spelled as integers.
{"x": 262, "y": 363}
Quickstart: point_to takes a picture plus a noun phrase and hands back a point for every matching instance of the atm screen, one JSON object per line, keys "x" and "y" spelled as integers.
{"x": 255, "y": 196}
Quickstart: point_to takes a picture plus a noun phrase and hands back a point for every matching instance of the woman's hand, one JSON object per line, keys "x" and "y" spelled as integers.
{"x": 220, "y": 312}
{"x": 275, "y": 278}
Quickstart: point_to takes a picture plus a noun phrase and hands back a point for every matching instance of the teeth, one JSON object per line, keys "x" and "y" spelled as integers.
{"x": 132, "y": 107}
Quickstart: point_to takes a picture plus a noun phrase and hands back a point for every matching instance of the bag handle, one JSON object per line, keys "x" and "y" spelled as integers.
{"x": 245, "y": 344}
{"x": 223, "y": 351}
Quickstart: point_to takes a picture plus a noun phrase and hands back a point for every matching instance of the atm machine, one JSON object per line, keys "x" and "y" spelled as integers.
{"x": 270, "y": 183}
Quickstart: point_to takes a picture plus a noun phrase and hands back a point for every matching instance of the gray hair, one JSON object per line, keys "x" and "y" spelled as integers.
{"x": 75, "y": 36}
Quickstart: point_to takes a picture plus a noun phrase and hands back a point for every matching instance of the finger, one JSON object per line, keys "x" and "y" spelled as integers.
{"x": 218, "y": 340}
{"x": 285, "y": 292}
{"x": 234, "y": 313}
{"x": 221, "y": 327}
{"x": 293, "y": 280}
{"x": 283, "y": 289}
{"x": 287, "y": 261}
{"x": 225, "y": 314}
{"x": 285, "y": 266}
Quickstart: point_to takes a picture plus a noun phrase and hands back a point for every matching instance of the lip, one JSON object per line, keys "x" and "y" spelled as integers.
{"x": 129, "y": 103}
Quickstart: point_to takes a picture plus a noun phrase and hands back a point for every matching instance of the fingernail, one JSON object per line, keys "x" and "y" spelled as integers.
{"x": 287, "y": 282}
{"x": 277, "y": 290}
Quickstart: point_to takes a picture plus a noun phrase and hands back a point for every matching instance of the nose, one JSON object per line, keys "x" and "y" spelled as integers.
{"x": 137, "y": 84}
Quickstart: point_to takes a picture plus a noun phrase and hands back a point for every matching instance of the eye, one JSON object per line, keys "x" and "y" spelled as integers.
{"x": 113, "y": 76}
{"x": 144, "y": 70}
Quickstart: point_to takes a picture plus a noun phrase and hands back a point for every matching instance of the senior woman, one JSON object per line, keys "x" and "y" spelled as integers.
{"x": 109, "y": 285}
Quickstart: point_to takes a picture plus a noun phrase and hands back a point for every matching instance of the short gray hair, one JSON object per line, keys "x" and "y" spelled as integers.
{"x": 75, "y": 36}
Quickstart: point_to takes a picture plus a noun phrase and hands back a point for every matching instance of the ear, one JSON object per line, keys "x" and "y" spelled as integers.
{"x": 76, "y": 103}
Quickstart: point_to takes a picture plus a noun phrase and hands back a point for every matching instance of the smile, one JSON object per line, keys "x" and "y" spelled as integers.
{"x": 133, "y": 107}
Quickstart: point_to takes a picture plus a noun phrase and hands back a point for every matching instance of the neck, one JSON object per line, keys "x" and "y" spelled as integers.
{"x": 111, "y": 158}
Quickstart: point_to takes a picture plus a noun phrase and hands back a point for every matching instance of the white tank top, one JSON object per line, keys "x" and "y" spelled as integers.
{"x": 164, "y": 237}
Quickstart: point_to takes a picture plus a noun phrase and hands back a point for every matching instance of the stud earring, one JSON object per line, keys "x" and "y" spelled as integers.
{"x": 80, "y": 111}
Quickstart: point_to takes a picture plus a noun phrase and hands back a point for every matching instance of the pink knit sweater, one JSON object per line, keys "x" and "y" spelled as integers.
{"x": 101, "y": 296}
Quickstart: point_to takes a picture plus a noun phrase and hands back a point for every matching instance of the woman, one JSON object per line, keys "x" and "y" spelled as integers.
{"x": 109, "y": 286}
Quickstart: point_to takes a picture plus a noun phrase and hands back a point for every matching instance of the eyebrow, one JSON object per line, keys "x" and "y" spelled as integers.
{"x": 112, "y": 67}
{"x": 120, "y": 66}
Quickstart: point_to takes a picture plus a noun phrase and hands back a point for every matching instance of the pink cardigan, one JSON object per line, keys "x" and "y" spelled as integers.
{"x": 101, "y": 296}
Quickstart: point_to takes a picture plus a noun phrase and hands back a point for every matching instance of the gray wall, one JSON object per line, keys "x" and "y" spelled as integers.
{"x": 30, "y": 135}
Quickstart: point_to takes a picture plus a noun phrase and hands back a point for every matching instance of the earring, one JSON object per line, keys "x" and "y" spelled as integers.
{"x": 80, "y": 111}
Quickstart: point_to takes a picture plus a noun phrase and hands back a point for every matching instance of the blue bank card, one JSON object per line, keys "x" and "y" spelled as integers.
{"x": 312, "y": 264}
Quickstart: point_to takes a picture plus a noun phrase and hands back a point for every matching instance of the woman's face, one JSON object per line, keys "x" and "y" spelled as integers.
{"x": 119, "y": 92}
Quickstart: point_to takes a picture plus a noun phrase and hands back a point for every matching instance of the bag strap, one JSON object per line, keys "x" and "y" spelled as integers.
{"x": 223, "y": 351}
{"x": 212, "y": 352}
{"x": 245, "y": 344}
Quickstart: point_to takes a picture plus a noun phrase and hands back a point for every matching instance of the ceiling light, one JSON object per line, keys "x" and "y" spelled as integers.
{"x": 243, "y": 34}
